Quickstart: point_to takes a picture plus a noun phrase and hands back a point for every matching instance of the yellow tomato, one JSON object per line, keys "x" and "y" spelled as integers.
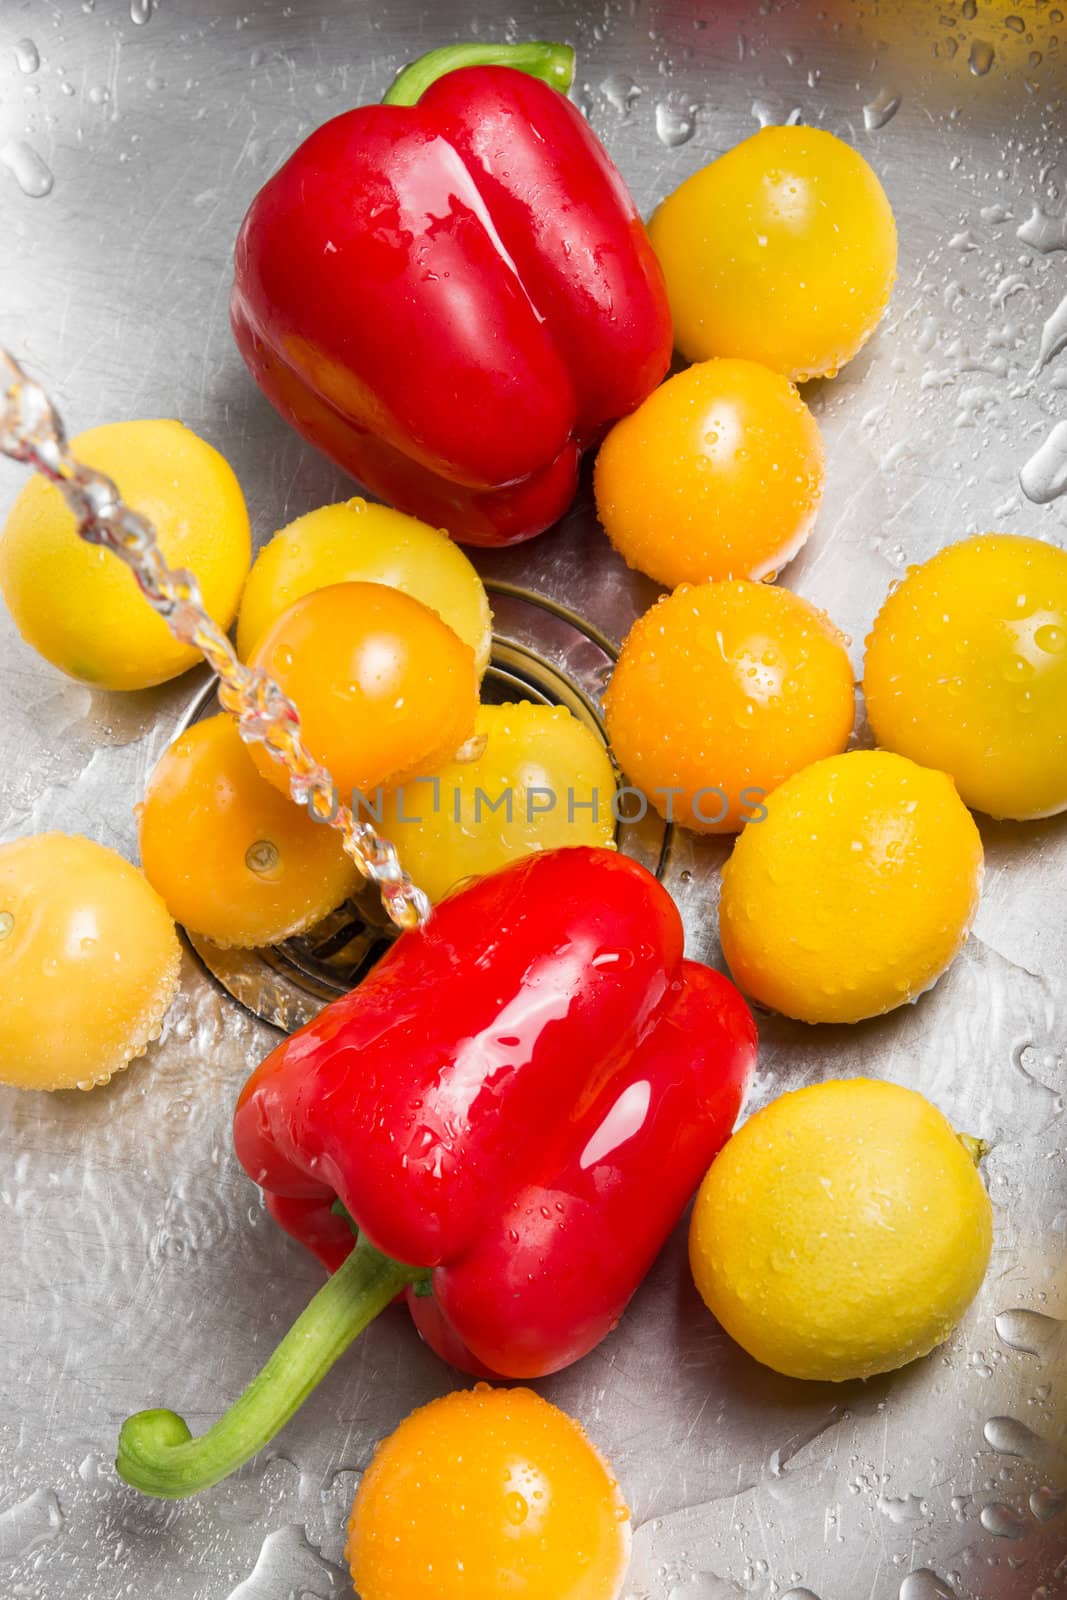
{"x": 232, "y": 858}
{"x": 784, "y": 251}
{"x": 77, "y": 604}
{"x": 362, "y": 542}
{"x": 718, "y": 474}
{"x": 487, "y": 1493}
{"x": 856, "y": 891}
{"x": 385, "y": 689}
{"x": 843, "y": 1231}
{"x": 88, "y": 963}
{"x": 967, "y": 671}
{"x": 720, "y": 692}
{"x": 542, "y": 781}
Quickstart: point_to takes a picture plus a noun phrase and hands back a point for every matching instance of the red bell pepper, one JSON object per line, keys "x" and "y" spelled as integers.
{"x": 513, "y": 1109}
{"x": 454, "y": 298}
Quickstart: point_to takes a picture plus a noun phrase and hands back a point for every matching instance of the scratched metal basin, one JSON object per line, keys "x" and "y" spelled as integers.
{"x": 136, "y": 1265}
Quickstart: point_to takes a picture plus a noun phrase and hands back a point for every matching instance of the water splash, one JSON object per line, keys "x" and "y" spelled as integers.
{"x": 882, "y": 109}
{"x": 28, "y": 1524}
{"x": 922, "y": 1584}
{"x": 287, "y": 1564}
{"x": 676, "y": 121}
{"x": 1002, "y": 1521}
{"x": 1053, "y": 338}
{"x": 1042, "y": 232}
{"x": 1044, "y": 477}
{"x": 27, "y": 56}
{"x": 30, "y": 171}
{"x": 981, "y": 58}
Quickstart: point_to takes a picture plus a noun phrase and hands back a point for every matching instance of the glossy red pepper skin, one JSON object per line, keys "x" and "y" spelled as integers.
{"x": 521, "y": 1097}
{"x": 453, "y": 300}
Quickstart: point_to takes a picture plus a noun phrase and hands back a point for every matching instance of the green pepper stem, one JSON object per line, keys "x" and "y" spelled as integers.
{"x": 552, "y": 63}
{"x": 157, "y": 1453}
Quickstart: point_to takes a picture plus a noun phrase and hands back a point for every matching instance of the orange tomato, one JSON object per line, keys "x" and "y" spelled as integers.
{"x": 488, "y": 1492}
{"x": 385, "y": 689}
{"x": 231, "y": 857}
{"x": 720, "y": 693}
{"x": 718, "y": 474}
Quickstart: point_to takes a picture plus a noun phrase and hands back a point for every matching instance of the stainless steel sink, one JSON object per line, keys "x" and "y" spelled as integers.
{"x": 137, "y": 1264}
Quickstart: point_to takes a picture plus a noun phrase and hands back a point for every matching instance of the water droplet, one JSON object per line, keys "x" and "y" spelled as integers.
{"x": 141, "y": 11}
{"x": 799, "y": 1594}
{"x": 1044, "y": 476}
{"x": 880, "y": 110}
{"x": 675, "y": 121}
{"x": 27, "y": 56}
{"x": 969, "y": 10}
{"x": 1009, "y": 1437}
{"x": 1042, "y": 232}
{"x": 981, "y": 57}
{"x": 99, "y": 94}
{"x": 28, "y": 1524}
{"x": 922, "y": 1584}
{"x": 620, "y": 91}
{"x": 1015, "y": 24}
{"x": 1046, "y": 1503}
{"x": 901, "y": 1510}
{"x": 7, "y": 922}
{"x": 516, "y": 1509}
{"x": 1001, "y": 1521}
{"x": 30, "y": 171}
{"x": 287, "y": 1564}
{"x": 1053, "y": 337}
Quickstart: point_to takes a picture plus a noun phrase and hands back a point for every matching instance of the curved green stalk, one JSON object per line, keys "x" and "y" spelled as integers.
{"x": 158, "y": 1455}
{"x": 552, "y": 63}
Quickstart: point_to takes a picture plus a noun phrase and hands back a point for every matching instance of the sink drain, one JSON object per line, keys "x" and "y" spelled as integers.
{"x": 541, "y": 652}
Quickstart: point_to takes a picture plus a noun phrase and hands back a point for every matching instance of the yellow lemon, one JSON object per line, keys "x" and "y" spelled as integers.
{"x": 967, "y": 671}
{"x": 88, "y": 962}
{"x": 77, "y": 604}
{"x": 542, "y": 781}
{"x": 855, "y": 892}
{"x": 359, "y": 541}
{"x": 486, "y": 1493}
{"x": 843, "y": 1231}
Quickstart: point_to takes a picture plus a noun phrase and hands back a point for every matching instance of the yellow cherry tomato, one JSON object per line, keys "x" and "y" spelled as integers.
{"x": 385, "y": 689}
{"x": 720, "y": 692}
{"x": 88, "y": 963}
{"x": 542, "y": 781}
{"x": 77, "y": 604}
{"x": 784, "y": 251}
{"x": 488, "y": 1493}
{"x": 966, "y": 671}
{"x": 232, "y": 858}
{"x": 843, "y": 1231}
{"x": 718, "y": 474}
{"x": 362, "y": 542}
{"x": 856, "y": 891}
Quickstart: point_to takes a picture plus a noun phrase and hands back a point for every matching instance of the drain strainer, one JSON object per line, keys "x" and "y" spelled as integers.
{"x": 541, "y": 652}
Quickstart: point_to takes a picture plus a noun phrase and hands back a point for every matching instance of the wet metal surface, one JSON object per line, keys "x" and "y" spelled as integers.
{"x": 136, "y": 1265}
